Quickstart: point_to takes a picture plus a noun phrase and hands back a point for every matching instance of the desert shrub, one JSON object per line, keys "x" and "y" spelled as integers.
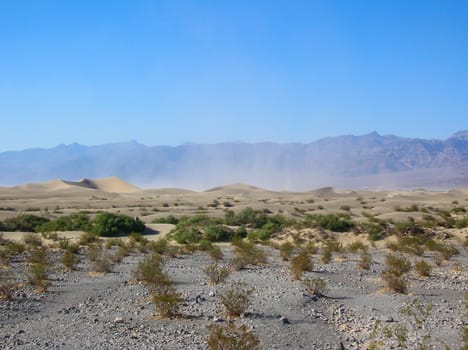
{"x": 215, "y": 253}
{"x": 461, "y": 223}
{"x": 14, "y": 248}
{"x": 122, "y": 252}
{"x": 231, "y": 337}
{"x": 24, "y": 223}
{"x": 247, "y": 217}
{"x": 73, "y": 222}
{"x": 93, "y": 252}
{"x": 32, "y": 239}
{"x": 89, "y": 238}
{"x": 8, "y": 287}
{"x": 300, "y": 264}
{"x": 69, "y": 260}
{"x": 150, "y": 270}
{"x": 138, "y": 241}
{"x": 286, "y": 250}
{"x": 332, "y": 222}
{"x": 315, "y": 286}
{"x": 217, "y": 233}
{"x": 114, "y": 242}
{"x": 109, "y": 224}
{"x": 38, "y": 255}
{"x": 38, "y": 273}
{"x": 356, "y": 246}
{"x": 396, "y": 283}
{"x": 397, "y": 265}
{"x": 409, "y": 244}
{"x": 247, "y": 253}
{"x": 365, "y": 260}
{"x": 326, "y": 255}
{"x": 216, "y": 273}
{"x": 167, "y": 300}
{"x": 422, "y": 268}
{"x": 102, "y": 263}
{"x": 409, "y": 227}
{"x": 170, "y": 219}
{"x": 236, "y": 299}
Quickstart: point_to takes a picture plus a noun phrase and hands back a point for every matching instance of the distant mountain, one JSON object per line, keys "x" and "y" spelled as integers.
{"x": 368, "y": 161}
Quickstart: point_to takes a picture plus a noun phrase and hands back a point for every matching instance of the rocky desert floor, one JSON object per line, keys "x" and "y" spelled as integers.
{"x": 84, "y": 310}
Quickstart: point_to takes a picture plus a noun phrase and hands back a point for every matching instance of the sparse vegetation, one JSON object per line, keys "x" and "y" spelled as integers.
{"x": 216, "y": 273}
{"x": 231, "y": 337}
{"x": 300, "y": 264}
{"x": 315, "y": 286}
{"x": 236, "y": 299}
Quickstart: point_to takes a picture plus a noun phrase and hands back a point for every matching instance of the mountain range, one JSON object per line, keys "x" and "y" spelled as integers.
{"x": 369, "y": 161}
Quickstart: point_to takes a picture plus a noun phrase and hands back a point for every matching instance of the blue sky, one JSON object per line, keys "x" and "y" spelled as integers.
{"x": 170, "y": 72}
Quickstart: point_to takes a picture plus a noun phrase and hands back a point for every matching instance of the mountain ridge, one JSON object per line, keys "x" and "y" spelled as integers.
{"x": 366, "y": 161}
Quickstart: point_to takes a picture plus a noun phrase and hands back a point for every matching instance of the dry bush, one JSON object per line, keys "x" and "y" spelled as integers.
{"x": 216, "y": 253}
{"x": 89, "y": 238}
{"x": 167, "y": 300}
{"x": 247, "y": 253}
{"x": 150, "y": 271}
{"x": 38, "y": 275}
{"x": 396, "y": 283}
{"x": 32, "y": 239}
{"x": 286, "y": 250}
{"x": 357, "y": 246}
{"x": 231, "y": 337}
{"x": 236, "y": 299}
{"x": 8, "y": 287}
{"x": 69, "y": 260}
{"x": 397, "y": 265}
{"x": 216, "y": 273}
{"x": 365, "y": 260}
{"x": 422, "y": 268}
{"x": 122, "y": 252}
{"x": 300, "y": 264}
{"x": 315, "y": 286}
{"x": 102, "y": 263}
{"x": 326, "y": 256}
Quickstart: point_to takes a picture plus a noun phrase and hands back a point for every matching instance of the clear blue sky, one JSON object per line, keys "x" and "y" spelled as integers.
{"x": 170, "y": 72}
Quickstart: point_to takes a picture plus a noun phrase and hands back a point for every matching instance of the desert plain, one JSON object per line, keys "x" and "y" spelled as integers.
{"x": 356, "y": 308}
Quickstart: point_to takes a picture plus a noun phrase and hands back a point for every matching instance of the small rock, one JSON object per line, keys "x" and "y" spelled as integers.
{"x": 284, "y": 320}
{"x": 118, "y": 320}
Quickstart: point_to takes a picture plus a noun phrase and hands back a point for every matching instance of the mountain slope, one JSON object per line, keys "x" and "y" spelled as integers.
{"x": 370, "y": 160}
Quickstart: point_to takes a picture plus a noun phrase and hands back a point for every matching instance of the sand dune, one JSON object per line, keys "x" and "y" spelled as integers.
{"x": 109, "y": 184}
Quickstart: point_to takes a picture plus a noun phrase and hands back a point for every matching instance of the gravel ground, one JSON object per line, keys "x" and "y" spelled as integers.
{"x": 81, "y": 311}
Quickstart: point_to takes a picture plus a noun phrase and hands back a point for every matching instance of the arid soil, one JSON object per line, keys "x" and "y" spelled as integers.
{"x": 82, "y": 310}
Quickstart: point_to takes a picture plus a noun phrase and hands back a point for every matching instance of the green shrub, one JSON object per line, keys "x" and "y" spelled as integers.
{"x": 24, "y": 223}
{"x": 231, "y": 337}
{"x": 73, "y": 222}
{"x": 170, "y": 219}
{"x": 38, "y": 273}
{"x": 236, "y": 299}
{"x": 32, "y": 239}
{"x": 332, "y": 222}
{"x": 109, "y": 224}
